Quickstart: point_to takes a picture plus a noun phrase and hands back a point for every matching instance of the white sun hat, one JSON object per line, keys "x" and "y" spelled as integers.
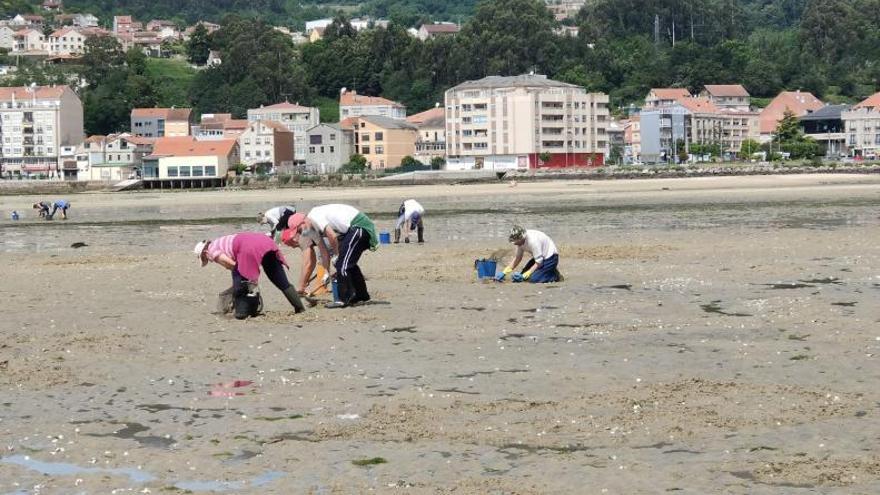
{"x": 199, "y": 251}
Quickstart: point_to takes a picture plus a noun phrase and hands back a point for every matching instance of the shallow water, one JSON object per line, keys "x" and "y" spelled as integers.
{"x": 166, "y": 228}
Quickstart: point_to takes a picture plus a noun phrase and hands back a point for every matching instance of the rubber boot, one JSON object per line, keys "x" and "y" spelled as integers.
{"x": 293, "y": 299}
{"x": 346, "y": 293}
{"x": 421, "y": 232}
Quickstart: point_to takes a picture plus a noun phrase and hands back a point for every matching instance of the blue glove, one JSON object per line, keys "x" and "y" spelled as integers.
{"x": 517, "y": 277}
{"x": 500, "y": 277}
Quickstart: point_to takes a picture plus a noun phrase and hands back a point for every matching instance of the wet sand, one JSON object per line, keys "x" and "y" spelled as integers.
{"x": 711, "y": 336}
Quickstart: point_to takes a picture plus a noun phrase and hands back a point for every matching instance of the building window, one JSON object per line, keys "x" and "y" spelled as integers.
{"x": 365, "y": 137}
{"x": 332, "y": 137}
{"x": 184, "y": 171}
{"x": 172, "y": 171}
{"x": 322, "y": 150}
{"x": 379, "y": 136}
{"x": 210, "y": 171}
{"x": 198, "y": 171}
{"x": 332, "y": 150}
{"x": 365, "y": 150}
{"x": 311, "y": 149}
{"x": 315, "y": 139}
{"x": 380, "y": 150}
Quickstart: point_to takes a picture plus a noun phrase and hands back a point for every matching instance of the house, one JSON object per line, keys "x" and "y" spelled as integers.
{"x": 668, "y": 130}
{"x": 661, "y": 97}
{"x": 186, "y": 160}
{"x": 37, "y": 122}
{"x": 436, "y": 30}
{"x": 329, "y": 147}
{"x": 525, "y": 121}
{"x": 383, "y": 141}
{"x": 799, "y": 103}
{"x": 160, "y": 122}
{"x": 85, "y": 20}
{"x": 7, "y": 38}
{"x": 295, "y": 117}
{"x": 729, "y": 96}
{"x": 112, "y": 158}
{"x": 122, "y": 24}
{"x": 431, "y": 126}
{"x": 567, "y": 31}
{"x": 219, "y": 126}
{"x": 352, "y": 104}
{"x": 53, "y": 5}
{"x": 862, "y": 127}
{"x": 826, "y": 127}
{"x": 210, "y": 27}
{"x": 267, "y": 141}
{"x": 317, "y": 23}
{"x": 29, "y": 41}
{"x": 616, "y": 137}
{"x": 564, "y": 9}
{"x": 34, "y": 21}
{"x": 67, "y": 41}
{"x": 214, "y": 58}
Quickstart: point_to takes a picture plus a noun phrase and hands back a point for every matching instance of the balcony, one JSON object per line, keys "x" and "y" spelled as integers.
{"x": 552, "y": 118}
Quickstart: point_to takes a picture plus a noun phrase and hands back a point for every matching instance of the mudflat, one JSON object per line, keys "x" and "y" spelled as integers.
{"x": 716, "y": 335}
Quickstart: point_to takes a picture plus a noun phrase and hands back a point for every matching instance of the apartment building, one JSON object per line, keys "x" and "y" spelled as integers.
{"x": 218, "y": 126}
{"x": 632, "y": 140}
{"x": 564, "y": 9}
{"x": 330, "y": 147}
{"x": 862, "y": 127}
{"x": 383, "y": 141}
{"x": 691, "y": 121}
{"x": 267, "y": 141}
{"x": 160, "y": 122}
{"x": 352, "y": 104}
{"x": 7, "y": 38}
{"x": 35, "y": 123}
{"x": 799, "y": 103}
{"x": 29, "y": 41}
{"x": 295, "y": 117}
{"x": 728, "y": 96}
{"x": 431, "y": 125}
{"x": 524, "y": 121}
{"x": 68, "y": 41}
{"x": 825, "y": 126}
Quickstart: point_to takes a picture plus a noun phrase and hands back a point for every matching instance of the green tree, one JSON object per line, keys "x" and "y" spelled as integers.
{"x": 788, "y": 128}
{"x": 437, "y": 163}
{"x": 748, "y": 148}
{"x": 199, "y": 46}
{"x": 357, "y": 164}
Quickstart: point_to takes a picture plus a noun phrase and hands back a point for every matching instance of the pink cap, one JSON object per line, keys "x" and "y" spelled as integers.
{"x": 295, "y": 221}
{"x": 290, "y": 237}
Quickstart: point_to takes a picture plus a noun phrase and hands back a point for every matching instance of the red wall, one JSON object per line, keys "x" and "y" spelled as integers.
{"x": 571, "y": 160}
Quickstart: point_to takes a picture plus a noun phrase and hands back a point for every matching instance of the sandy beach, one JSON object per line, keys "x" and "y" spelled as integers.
{"x": 712, "y": 335}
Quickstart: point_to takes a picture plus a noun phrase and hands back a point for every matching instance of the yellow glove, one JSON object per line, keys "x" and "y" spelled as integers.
{"x": 507, "y": 270}
{"x": 527, "y": 274}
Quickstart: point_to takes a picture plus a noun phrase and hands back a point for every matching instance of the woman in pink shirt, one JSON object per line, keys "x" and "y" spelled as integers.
{"x": 244, "y": 254}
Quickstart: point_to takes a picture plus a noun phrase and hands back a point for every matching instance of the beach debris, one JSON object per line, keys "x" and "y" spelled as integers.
{"x": 77, "y": 245}
{"x": 225, "y": 389}
{"x": 369, "y": 462}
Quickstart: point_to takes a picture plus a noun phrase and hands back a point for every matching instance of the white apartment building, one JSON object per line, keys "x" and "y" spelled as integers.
{"x": 7, "y": 38}
{"x": 298, "y": 119}
{"x": 29, "y": 40}
{"x": 67, "y": 41}
{"x": 35, "y": 122}
{"x": 862, "y": 128}
{"x": 352, "y": 104}
{"x": 525, "y": 121}
{"x": 267, "y": 141}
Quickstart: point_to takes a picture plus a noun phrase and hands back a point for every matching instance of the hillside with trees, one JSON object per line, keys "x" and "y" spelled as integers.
{"x": 625, "y": 47}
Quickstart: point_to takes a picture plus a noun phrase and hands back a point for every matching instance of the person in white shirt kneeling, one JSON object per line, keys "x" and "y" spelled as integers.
{"x": 542, "y": 267}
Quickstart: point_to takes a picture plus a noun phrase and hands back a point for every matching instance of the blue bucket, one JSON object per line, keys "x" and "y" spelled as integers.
{"x": 384, "y": 238}
{"x": 335, "y": 288}
{"x": 486, "y": 268}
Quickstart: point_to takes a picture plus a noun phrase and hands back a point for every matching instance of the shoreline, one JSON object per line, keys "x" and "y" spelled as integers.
{"x": 27, "y": 187}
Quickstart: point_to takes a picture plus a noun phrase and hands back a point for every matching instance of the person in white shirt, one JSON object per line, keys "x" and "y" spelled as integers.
{"x": 276, "y": 218}
{"x": 543, "y": 267}
{"x": 410, "y": 217}
{"x": 348, "y": 233}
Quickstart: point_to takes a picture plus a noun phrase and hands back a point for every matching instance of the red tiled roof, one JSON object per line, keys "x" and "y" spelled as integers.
{"x": 872, "y": 101}
{"x": 40, "y": 92}
{"x": 435, "y": 117}
{"x": 726, "y": 90}
{"x": 800, "y": 103}
{"x": 284, "y": 105}
{"x": 166, "y": 113}
{"x": 188, "y": 146}
{"x": 347, "y": 123}
{"x": 441, "y": 28}
{"x": 351, "y": 98}
{"x": 670, "y": 93}
{"x": 276, "y": 126}
{"x": 699, "y": 105}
